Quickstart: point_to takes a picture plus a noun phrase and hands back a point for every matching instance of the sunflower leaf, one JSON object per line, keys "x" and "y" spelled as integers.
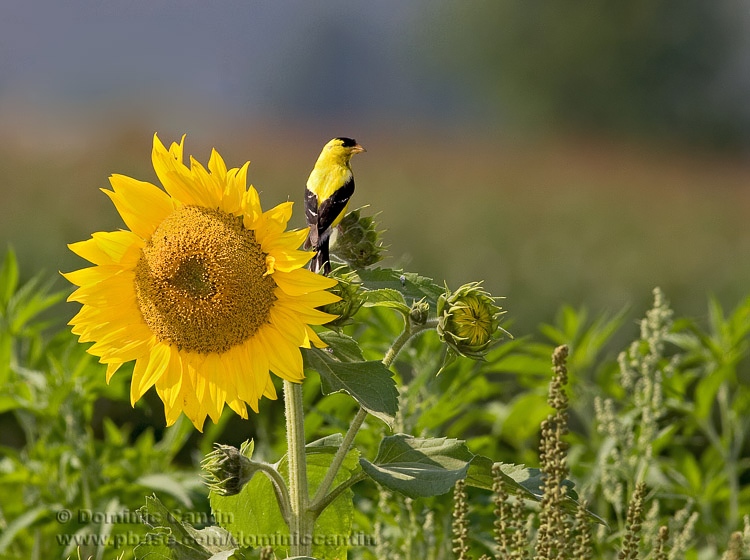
{"x": 419, "y": 467}
{"x": 520, "y": 479}
{"x": 410, "y": 285}
{"x": 171, "y": 538}
{"x": 254, "y": 518}
{"x": 344, "y": 347}
{"x": 370, "y": 383}
{"x": 386, "y": 297}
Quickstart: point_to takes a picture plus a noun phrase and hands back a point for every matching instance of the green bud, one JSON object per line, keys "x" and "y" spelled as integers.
{"x": 228, "y": 469}
{"x": 350, "y": 292}
{"x": 468, "y": 321}
{"x": 419, "y": 312}
{"x": 358, "y": 242}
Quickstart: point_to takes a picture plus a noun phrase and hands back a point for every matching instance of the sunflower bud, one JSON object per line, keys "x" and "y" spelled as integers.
{"x": 468, "y": 321}
{"x": 228, "y": 469}
{"x": 350, "y": 292}
{"x": 419, "y": 312}
{"x": 358, "y": 242}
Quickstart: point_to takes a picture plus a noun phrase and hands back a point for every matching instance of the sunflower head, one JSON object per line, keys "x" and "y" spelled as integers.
{"x": 358, "y": 242}
{"x": 419, "y": 312}
{"x": 204, "y": 291}
{"x": 228, "y": 469}
{"x": 349, "y": 289}
{"x": 468, "y": 320}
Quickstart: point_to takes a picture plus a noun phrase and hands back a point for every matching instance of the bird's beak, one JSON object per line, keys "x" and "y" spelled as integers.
{"x": 357, "y": 149}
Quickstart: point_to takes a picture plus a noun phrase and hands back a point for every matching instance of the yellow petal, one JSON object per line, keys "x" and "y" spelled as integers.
{"x": 259, "y": 366}
{"x": 111, "y": 369}
{"x": 301, "y": 281}
{"x": 121, "y": 353}
{"x": 270, "y": 390}
{"x": 289, "y": 325}
{"x": 286, "y": 241}
{"x": 215, "y": 396}
{"x": 208, "y": 189}
{"x": 91, "y": 275}
{"x": 251, "y": 208}
{"x": 216, "y": 165}
{"x": 284, "y": 358}
{"x": 313, "y": 336}
{"x": 143, "y": 206}
{"x": 234, "y": 191}
{"x": 110, "y": 248}
{"x": 169, "y": 385}
{"x": 148, "y": 370}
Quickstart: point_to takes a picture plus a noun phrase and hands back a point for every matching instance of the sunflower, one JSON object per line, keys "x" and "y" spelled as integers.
{"x": 205, "y": 291}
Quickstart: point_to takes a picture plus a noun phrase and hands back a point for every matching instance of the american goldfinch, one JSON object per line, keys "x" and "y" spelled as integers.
{"x": 329, "y": 188}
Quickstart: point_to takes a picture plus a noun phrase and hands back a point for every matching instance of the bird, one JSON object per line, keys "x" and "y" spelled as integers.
{"x": 327, "y": 194}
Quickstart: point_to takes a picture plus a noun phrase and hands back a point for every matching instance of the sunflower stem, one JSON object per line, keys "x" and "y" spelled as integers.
{"x": 279, "y": 489}
{"x": 320, "y": 501}
{"x": 300, "y": 521}
{"x": 410, "y": 330}
{"x": 337, "y": 491}
{"x": 338, "y": 460}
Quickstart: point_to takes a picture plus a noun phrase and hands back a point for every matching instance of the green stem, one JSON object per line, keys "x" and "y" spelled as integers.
{"x": 321, "y": 499}
{"x": 337, "y": 491}
{"x": 730, "y": 464}
{"x": 300, "y": 523}
{"x": 338, "y": 459}
{"x": 410, "y": 330}
{"x": 279, "y": 488}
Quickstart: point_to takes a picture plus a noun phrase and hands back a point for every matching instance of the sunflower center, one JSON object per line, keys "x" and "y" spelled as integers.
{"x": 201, "y": 281}
{"x": 474, "y": 322}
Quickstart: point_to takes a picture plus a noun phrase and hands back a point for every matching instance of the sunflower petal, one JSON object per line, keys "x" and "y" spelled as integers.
{"x": 142, "y": 205}
{"x": 148, "y": 370}
{"x": 300, "y": 281}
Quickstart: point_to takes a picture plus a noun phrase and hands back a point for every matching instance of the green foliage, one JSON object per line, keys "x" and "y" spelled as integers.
{"x": 419, "y": 467}
{"x": 367, "y": 382}
{"x": 666, "y": 412}
{"x": 64, "y": 487}
{"x": 254, "y": 519}
{"x": 619, "y": 67}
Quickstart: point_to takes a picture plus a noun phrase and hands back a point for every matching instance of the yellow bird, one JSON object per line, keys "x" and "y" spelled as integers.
{"x": 327, "y": 194}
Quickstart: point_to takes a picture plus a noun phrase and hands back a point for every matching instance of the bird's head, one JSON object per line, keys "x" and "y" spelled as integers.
{"x": 341, "y": 148}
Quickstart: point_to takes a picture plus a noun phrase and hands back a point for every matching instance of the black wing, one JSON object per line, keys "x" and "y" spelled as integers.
{"x": 333, "y": 206}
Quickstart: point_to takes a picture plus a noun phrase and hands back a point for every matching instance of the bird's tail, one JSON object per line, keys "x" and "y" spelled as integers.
{"x": 321, "y": 259}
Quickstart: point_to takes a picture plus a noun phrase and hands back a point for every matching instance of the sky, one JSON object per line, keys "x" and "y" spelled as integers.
{"x": 263, "y": 58}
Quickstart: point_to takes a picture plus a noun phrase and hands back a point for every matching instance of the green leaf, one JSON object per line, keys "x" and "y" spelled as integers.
{"x": 330, "y": 442}
{"x": 6, "y": 355}
{"x": 480, "y": 473}
{"x": 518, "y": 478}
{"x": 344, "y": 347}
{"x": 705, "y": 394}
{"x": 8, "y": 278}
{"x": 419, "y": 467}
{"x": 166, "y": 483}
{"x": 386, "y": 297}
{"x": 21, "y": 523}
{"x": 370, "y": 383}
{"x": 29, "y": 301}
{"x": 172, "y": 539}
{"x": 409, "y": 284}
{"x": 524, "y": 415}
{"x": 254, "y": 518}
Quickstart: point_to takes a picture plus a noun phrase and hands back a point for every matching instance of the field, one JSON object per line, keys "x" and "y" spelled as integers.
{"x": 587, "y": 223}
{"x": 582, "y": 221}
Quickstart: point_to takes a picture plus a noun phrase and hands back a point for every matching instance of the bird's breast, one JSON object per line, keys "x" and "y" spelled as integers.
{"x": 324, "y": 182}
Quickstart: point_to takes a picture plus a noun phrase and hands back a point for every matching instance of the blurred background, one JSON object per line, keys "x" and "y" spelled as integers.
{"x": 562, "y": 152}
